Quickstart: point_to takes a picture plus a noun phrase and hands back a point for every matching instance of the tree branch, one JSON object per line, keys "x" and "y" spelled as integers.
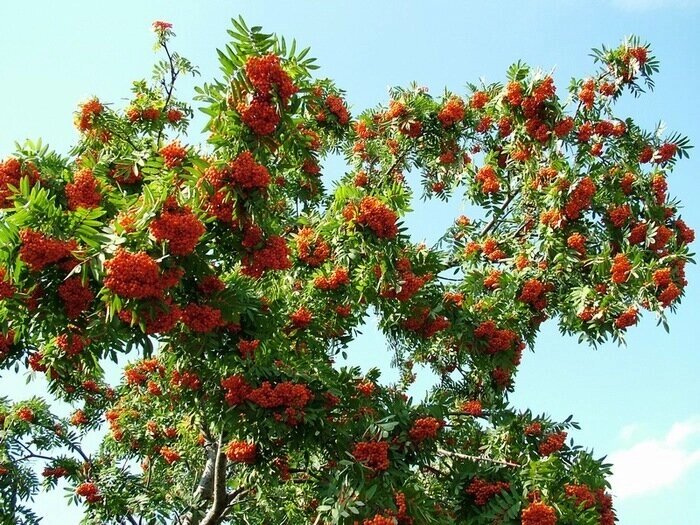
{"x": 476, "y": 458}
{"x": 220, "y": 497}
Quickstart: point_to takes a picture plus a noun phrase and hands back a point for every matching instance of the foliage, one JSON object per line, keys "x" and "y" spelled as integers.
{"x": 231, "y": 279}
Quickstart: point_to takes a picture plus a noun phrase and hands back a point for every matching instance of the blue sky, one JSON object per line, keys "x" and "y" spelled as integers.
{"x": 637, "y": 403}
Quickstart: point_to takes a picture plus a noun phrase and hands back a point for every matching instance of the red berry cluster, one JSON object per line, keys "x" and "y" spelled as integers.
{"x": 537, "y": 513}
{"x": 451, "y": 112}
{"x": 627, "y": 318}
{"x": 259, "y": 115}
{"x": 409, "y": 283}
{"x": 373, "y": 454}
{"x": 375, "y": 215}
{"x": 248, "y": 348}
{"x": 76, "y": 296}
{"x": 138, "y": 373}
{"x": 285, "y": 394}
{"x": 621, "y": 268}
{"x": 267, "y": 76}
{"x": 201, "y": 318}
{"x": 55, "y": 472}
{"x": 488, "y": 179}
{"x": 582, "y": 494}
{"x": 39, "y": 251}
{"x": 533, "y": 293}
{"x": 85, "y": 119}
{"x": 497, "y": 339}
{"x": 12, "y": 171}
{"x": 273, "y": 256}
{"x": 425, "y": 325}
{"x": 83, "y": 192}
{"x": 185, "y": 379}
{"x": 482, "y": 491}
{"x": 180, "y": 228}
{"x": 552, "y": 443}
{"x": 337, "y": 107}
{"x": 337, "y": 278}
{"x": 236, "y": 389}
{"x": 241, "y": 452}
{"x": 312, "y": 249}
{"x": 173, "y": 155}
{"x": 89, "y": 491}
{"x": 7, "y": 289}
{"x": 248, "y": 174}
{"x": 301, "y": 318}
{"x": 6, "y": 342}
{"x": 138, "y": 276}
{"x": 425, "y": 428}
{"x": 72, "y": 343}
{"x": 580, "y": 198}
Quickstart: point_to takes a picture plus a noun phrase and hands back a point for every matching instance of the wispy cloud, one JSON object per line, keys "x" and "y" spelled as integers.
{"x": 653, "y": 464}
{"x": 650, "y": 5}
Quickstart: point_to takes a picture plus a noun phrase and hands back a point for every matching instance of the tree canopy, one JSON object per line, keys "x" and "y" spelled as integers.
{"x": 228, "y": 281}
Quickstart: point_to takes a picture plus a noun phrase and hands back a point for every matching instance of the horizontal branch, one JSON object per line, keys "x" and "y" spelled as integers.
{"x": 477, "y": 458}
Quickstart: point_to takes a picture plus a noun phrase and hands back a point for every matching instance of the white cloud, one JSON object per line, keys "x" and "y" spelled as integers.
{"x": 653, "y": 464}
{"x": 649, "y": 5}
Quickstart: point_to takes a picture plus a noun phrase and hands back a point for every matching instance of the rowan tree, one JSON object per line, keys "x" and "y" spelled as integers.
{"x": 227, "y": 281}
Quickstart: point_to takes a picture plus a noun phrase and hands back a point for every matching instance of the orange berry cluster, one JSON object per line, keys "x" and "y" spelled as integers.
{"x": 83, "y": 192}
{"x": 75, "y": 295}
{"x": 337, "y": 107}
{"x": 533, "y": 293}
{"x": 89, "y": 491}
{"x": 537, "y": 513}
{"x": 451, "y": 112}
{"x": 241, "y": 452}
{"x": 137, "y": 276}
{"x": 425, "y": 428}
{"x": 375, "y": 215}
{"x": 488, "y": 179}
{"x": 180, "y": 228}
{"x": 201, "y": 318}
{"x": 497, "y": 339}
{"x": 580, "y": 198}
{"x": 11, "y": 173}
{"x": 170, "y": 455}
{"x": 621, "y": 268}
{"x": 312, "y": 249}
{"x": 39, "y": 251}
{"x": 373, "y": 454}
{"x": 552, "y": 443}
{"x": 472, "y": 407}
{"x": 627, "y": 318}
{"x": 266, "y": 75}
{"x": 85, "y": 120}
{"x": 577, "y": 241}
{"x": 338, "y": 277}
{"x": 173, "y": 155}
{"x": 482, "y": 491}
